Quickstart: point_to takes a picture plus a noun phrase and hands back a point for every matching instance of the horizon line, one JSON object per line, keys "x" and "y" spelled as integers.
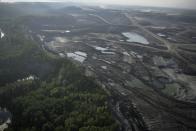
{"x": 94, "y": 4}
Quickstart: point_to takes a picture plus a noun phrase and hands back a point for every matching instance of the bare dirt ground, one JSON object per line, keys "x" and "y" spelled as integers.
{"x": 151, "y": 86}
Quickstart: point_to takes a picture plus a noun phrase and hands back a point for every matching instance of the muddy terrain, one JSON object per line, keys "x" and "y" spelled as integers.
{"x": 144, "y": 60}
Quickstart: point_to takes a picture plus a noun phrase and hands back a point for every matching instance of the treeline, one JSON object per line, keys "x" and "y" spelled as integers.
{"x": 60, "y": 98}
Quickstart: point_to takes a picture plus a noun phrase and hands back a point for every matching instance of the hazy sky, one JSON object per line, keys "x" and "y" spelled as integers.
{"x": 165, "y": 3}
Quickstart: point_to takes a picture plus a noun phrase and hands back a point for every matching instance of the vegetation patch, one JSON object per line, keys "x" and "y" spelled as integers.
{"x": 56, "y": 96}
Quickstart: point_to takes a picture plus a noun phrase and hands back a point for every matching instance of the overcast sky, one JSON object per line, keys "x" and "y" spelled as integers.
{"x": 164, "y": 3}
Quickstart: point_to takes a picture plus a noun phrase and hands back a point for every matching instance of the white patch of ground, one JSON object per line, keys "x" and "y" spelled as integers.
{"x": 158, "y": 27}
{"x": 108, "y": 52}
{"x": 100, "y": 48}
{"x": 173, "y": 14}
{"x": 60, "y": 39}
{"x": 31, "y": 77}
{"x": 104, "y": 50}
{"x": 81, "y": 53}
{"x": 2, "y": 35}
{"x": 104, "y": 67}
{"x": 76, "y": 41}
{"x": 146, "y": 11}
{"x": 126, "y": 53}
{"x": 161, "y": 35}
{"x": 41, "y": 37}
{"x": 78, "y": 56}
{"x": 134, "y": 37}
{"x": 172, "y": 39}
{"x": 134, "y": 54}
{"x": 67, "y": 31}
{"x": 57, "y": 42}
{"x": 5, "y": 124}
{"x": 61, "y": 55}
{"x": 129, "y": 57}
{"x": 53, "y": 31}
{"x": 57, "y": 31}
